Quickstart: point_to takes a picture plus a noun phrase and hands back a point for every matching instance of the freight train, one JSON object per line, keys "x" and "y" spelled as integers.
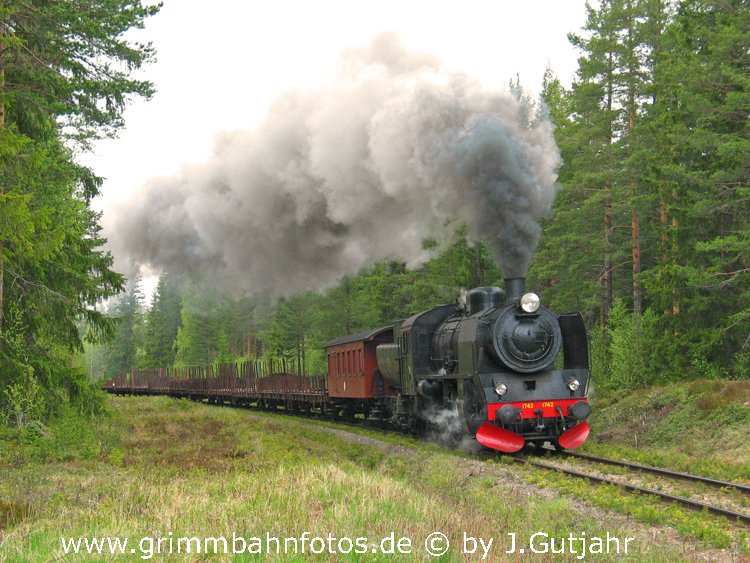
{"x": 497, "y": 366}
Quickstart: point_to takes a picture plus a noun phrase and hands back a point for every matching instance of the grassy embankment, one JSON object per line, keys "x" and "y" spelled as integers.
{"x": 700, "y": 427}
{"x": 157, "y": 465}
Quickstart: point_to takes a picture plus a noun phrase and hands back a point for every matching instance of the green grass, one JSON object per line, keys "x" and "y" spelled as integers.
{"x": 701, "y": 427}
{"x": 158, "y": 465}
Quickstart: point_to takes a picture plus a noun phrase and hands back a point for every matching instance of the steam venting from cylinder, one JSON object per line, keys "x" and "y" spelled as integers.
{"x": 393, "y": 153}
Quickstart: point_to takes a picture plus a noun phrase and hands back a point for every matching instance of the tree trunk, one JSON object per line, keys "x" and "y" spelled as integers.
{"x": 664, "y": 239}
{"x": 608, "y": 275}
{"x": 2, "y": 126}
{"x": 675, "y": 249}
{"x": 635, "y": 228}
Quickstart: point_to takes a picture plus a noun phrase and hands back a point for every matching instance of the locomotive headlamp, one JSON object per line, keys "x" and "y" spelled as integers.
{"x": 530, "y": 302}
{"x": 501, "y": 389}
{"x": 573, "y": 384}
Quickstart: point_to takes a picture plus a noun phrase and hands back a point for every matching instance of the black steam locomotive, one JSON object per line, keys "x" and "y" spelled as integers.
{"x": 495, "y": 362}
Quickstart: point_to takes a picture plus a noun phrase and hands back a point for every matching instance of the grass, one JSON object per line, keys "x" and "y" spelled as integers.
{"x": 158, "y": 467}
{"x": 699, "y": 426}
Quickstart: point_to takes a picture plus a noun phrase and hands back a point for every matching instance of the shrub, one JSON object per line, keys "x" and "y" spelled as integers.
{"x": 622, "y": 350}
{"x": 703, "y": 369}
{"x": 23, "y": 401}
{"x": 741, "y": 365}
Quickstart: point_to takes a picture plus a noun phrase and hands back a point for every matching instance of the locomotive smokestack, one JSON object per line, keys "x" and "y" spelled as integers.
{"x": 514, "y": 288}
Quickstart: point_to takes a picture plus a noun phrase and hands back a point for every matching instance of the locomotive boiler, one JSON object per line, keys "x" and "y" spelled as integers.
{"x": 508, "y": 369}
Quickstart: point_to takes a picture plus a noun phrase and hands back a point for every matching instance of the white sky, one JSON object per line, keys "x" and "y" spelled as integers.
{"x": 221, "y": 64}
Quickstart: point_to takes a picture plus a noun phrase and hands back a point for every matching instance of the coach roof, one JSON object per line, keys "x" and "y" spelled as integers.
{"x": 358, "y": 337}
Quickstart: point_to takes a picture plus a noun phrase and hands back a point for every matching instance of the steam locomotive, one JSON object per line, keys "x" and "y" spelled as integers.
{"x": 488, "y": 367}
{"x": 493, "y": 362}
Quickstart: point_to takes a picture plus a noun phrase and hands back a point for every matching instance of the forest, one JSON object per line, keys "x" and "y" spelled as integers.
{"x": 649, "y": 235}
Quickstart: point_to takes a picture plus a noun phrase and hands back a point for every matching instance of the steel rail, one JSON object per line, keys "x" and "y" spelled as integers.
{"x": 694, "y": 504}
{"x": 660, "y": 471}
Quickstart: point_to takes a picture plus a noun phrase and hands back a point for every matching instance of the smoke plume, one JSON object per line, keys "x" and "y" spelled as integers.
{"x": 392, "y": 153}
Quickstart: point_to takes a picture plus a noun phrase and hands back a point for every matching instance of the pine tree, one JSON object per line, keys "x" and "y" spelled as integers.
{"x": 65, "y": 70}
{"x": 205, "y": 314}
{"x": 124, "y": 352}
{"x": 602, "y": 144}
{"x": 162, "y": 323}
{"x": 703, "y": 141}
{"x": 594, "y": 105}
{"x": 567, "y": 266}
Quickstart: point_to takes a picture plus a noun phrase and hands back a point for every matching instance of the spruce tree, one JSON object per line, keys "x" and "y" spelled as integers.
{"x": 162, "y": 323}
{"x": 66, "y": 74}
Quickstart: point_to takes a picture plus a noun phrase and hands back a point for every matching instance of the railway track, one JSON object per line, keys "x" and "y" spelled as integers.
{"x": 687, "y": 502}
{"x": 659, "y": 471}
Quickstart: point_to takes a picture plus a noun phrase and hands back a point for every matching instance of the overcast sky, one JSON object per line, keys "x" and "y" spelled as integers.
{"x": 221, "y": 64}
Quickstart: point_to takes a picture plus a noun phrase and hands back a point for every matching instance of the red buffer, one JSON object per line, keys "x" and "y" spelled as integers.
{"x": 498, "y": 438}
{"x": 574, "y": 437}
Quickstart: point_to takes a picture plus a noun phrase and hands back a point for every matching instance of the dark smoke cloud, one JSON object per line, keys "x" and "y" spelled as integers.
{"x": 394, "y": 152}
